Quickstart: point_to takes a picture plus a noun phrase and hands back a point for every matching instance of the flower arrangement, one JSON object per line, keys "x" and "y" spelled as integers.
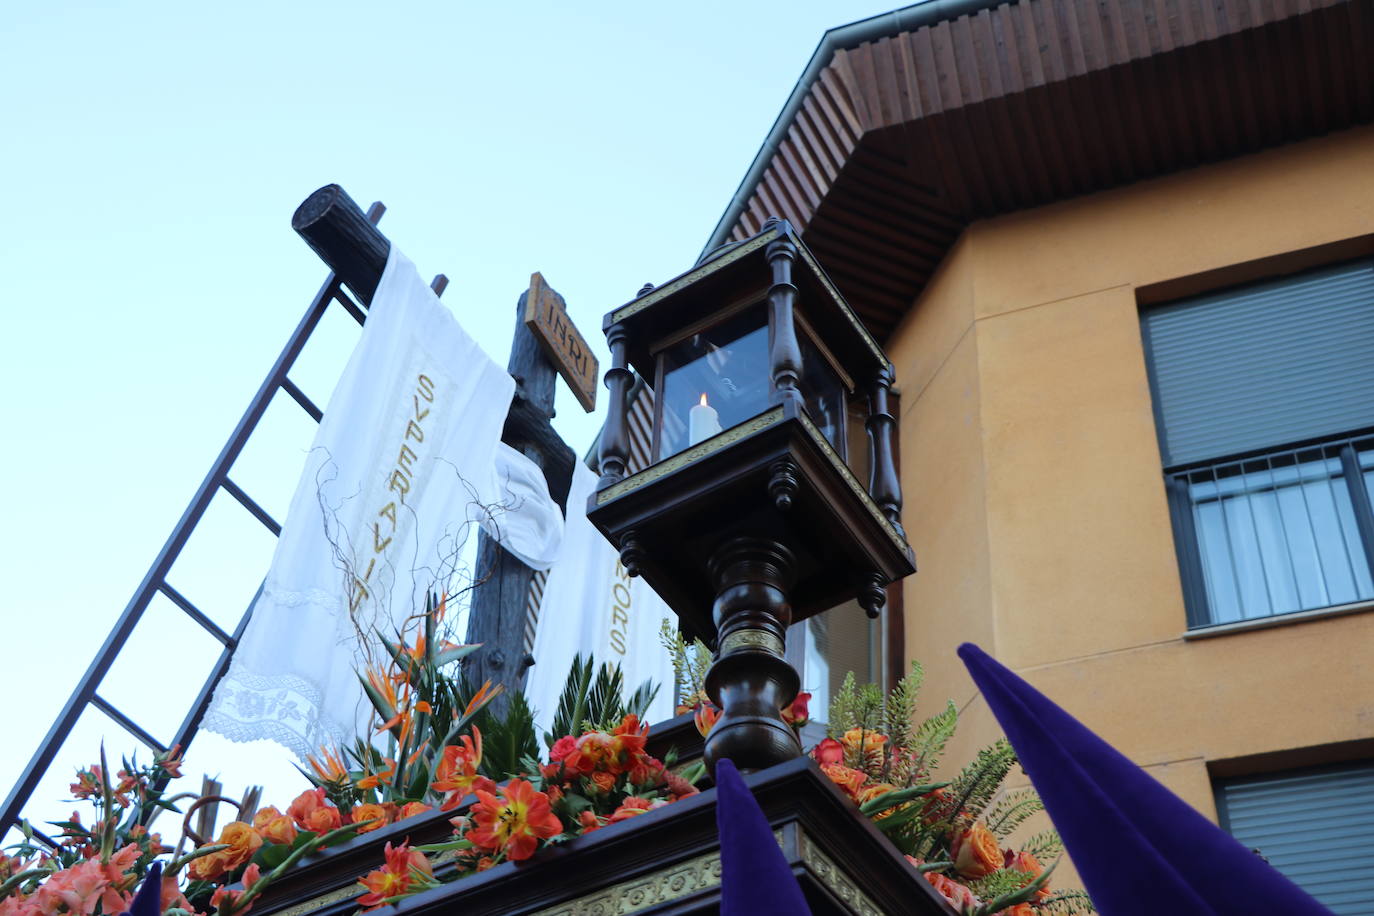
{"x": 955, "y": 833}
{"x": 429, "y": 759}
{"x": 437, "y": 746}
{"x": 597, "y": 773}
{"x": 93, "y": 870}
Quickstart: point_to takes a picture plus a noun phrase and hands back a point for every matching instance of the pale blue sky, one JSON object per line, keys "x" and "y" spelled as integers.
{"x": 153, "y": 154}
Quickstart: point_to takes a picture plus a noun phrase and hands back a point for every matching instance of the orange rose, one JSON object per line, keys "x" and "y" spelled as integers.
{"x": 872, "y": 791}
{"x": 242, "y": 841}
{"x": 1021, "y": 909}
{"x": 312, "y": 812}
{"x": 847, "y": 779}
{"x": 975, "y": 852}
{"x": 872, "y": 742}
{"x": 410, "y": 809}
{"x": 960, "y": 896}
{"x": 1028, "y": 863}
{"x": 274, "y": 827}
{"x": 952, "y": 891}
{"x": 369, "y": 812}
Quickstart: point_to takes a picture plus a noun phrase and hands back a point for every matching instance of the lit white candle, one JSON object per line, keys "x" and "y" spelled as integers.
{"x": 702, "y": 422}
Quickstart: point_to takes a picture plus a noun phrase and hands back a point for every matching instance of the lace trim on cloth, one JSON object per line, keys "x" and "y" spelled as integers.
{"x": 280, "y": 708}
{"x": 254, "y": 702}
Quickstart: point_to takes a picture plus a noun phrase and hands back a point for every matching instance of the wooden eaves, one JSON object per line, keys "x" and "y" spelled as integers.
{"x": 908, "y": 126}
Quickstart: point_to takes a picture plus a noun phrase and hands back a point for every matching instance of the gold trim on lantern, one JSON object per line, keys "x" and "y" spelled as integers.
{"x": 692, "y": 276}
{"x": 697, "y": 452}
{"x": 859, "y": 489}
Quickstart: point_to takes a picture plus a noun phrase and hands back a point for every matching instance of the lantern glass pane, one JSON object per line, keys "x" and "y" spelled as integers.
{"x": 713, "y": 380}
{"x": 824, "y": 395}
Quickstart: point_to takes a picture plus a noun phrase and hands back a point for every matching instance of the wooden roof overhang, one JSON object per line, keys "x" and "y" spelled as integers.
{"x": 892, "y": 143}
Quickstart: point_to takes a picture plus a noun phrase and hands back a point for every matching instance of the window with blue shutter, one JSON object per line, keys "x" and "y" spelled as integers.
{"x": 1264, "y": 401}
{"x": 1314, "y": 826}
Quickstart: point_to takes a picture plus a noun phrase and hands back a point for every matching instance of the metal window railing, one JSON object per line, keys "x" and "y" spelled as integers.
{"x": 1285, "y": 531}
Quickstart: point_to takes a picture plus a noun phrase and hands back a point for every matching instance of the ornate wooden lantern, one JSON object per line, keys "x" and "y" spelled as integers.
{"x": 752, "y": 514}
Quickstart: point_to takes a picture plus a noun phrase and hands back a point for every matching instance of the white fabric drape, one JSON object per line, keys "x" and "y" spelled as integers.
{"x": 402, "y": 467}
{"x": 591, "y": 606}
{"x": 526, "y": 521}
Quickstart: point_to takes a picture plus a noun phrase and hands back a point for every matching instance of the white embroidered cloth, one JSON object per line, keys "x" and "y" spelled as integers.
{"x": 591, "y": 605}
{"x": 404, "y": 462}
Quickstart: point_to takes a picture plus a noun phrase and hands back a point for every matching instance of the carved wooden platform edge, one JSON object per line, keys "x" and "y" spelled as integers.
{"x": 844, "y": 864}
{"x": 324, "y": 884}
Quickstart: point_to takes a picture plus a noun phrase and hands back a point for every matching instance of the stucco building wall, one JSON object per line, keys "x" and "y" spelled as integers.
{"x": 1034, "y": 491}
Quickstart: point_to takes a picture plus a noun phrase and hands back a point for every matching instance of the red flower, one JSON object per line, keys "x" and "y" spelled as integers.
{"x": 515, "y": 823}
{"x": 646, "y": 770}
{"x": 457, "y": 769}
{"x": 562, "y": 748}
{"x": 407, "y": 871}
{"x": 678, "y": 787}
{"x": 632, "y": 807}
{"x": 796, "y": 713}
{"x": 223, "y": 895}
{"x": 828, "y": 752}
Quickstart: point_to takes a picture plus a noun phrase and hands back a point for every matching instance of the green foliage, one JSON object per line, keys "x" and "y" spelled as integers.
{"x": 507, "y": 739}
{"x": 690, "y": 664}
{"x": 855, "y": 706}
{"x": 1067, "y": 903}
{"x": 928, "y": 744}
{"x": 1044, "y": 846}
{"x": 593, "y": 700}
{"x": 1010, "y": 811}
{"x": 423, "y": 704}
{"x": 924, "y": 818}
{"x": 1006, "y": 888}
{"x": 901, "y": 706}
{"x": 978, "y": 782}
{"x": 573, "y": 701}
{"x": 1000, "y": 883}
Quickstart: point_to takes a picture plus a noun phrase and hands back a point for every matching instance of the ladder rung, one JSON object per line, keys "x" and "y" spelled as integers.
{"x": 350, "y": 306}
{"x": 195, "y": 613}
{"x": 300, "y": 397}
{"x": 258, "y": 512}
{"x": 129, "y": 725}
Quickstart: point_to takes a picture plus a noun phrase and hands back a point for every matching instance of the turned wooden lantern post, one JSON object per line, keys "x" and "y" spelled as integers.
{"x": 772, "y": 494}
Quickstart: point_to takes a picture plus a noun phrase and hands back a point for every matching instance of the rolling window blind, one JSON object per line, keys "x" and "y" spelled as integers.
{"x": 1316, "y": 827}
{"x": 1265, "y": 365}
